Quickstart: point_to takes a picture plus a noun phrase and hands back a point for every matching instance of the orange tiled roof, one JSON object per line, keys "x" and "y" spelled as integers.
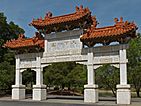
{"x": 22, "y": 42}
{"x": 53, "y": 21}
{"x": 121, "y": 31}
{"x": 118, "y": 32}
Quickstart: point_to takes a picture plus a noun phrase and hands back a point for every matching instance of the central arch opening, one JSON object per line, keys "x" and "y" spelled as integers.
{"x": 107, "y": 77}
{"x": 65, "y": 79}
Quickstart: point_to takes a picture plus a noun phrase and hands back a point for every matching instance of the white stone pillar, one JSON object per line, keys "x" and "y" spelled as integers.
{"x": 18, "y": 90}
{"x": 123, "y": 89}
{"x": 39, "y": 77}
{"x": 18, "y": 80}
{"x": 45, "y": 43}
{"x": 91, "y": 89}
{"x": 39, "y": 90}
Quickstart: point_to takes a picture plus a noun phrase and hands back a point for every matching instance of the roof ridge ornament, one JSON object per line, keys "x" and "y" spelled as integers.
{"x": 116, "y": 20}
{"x": 93, "y": 25}
{"x": 48, "y": 15}
{"x": 21, "y": 36}
{"x": 37, "y": 36}
{"x": 120, "y": 22}
{"x": 79, "y": 9}
{"x": 94, "y": 22}
{"x": 121, "y": 19}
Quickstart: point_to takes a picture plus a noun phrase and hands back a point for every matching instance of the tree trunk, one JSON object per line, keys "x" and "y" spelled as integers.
{"x": 111, "y": 89}
{"x": 138, "y": 92}
{"x": 137, "y": 88}
{"x": 69, "y": 87}
{"x": 63, "y": 85}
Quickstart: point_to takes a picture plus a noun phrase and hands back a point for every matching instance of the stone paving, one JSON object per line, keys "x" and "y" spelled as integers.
{"x": 64, "y": 101}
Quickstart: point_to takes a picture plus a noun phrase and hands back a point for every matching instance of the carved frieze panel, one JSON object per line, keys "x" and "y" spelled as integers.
{"x": 64, "y": 45}
{"x": 106, "y": 59}
{"x": 28, "y": 63}
{"x": 64, "y": 58}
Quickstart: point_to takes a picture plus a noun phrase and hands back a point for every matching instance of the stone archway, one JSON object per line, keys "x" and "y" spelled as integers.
{"x": 92, "y": 57}
{"x": 113, "y": 55}
{"x": 22, "y": 63}
{"x": 62, "y": 39}
{"x": 28, "y": 79}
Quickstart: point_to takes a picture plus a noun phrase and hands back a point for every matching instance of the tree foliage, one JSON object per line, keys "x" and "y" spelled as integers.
{"x": 107, "y": 77}
{"x": 77, "y": 76}
{"x": 7, "y": 63}
{"x": 67, "y": 74}
{"x": 7, "y": 31}
{"x": 6, "y": 75}
{"x": 29, "y": 77}
{"x": 134, "y": 64}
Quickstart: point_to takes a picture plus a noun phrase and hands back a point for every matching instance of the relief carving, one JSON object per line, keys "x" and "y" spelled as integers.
{"x": 106, "y": 60}
{"x": 63, "y": 45}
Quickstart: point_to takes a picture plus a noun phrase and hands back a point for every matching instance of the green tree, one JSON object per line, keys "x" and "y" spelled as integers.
{"x": 67, "y": 74}
{"x": 77, "y": 76}
{"x": 6, "y": 75}
{"x": 7, "y": 31}
{"x": 49, "y": 75}
{"x": 29, "y": 77}
{"x": 134, "y": 63}
{"x": 7, "y": 62}
{"x": 107, "y": 77}
{"x": 56, "y": 74}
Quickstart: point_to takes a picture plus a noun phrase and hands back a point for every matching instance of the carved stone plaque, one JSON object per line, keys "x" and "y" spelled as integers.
{"x": 63, "y": 45}
{"x": 28, "y": 63}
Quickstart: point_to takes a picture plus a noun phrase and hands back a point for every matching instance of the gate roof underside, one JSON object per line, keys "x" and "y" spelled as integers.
{"x": 121, "y": 31}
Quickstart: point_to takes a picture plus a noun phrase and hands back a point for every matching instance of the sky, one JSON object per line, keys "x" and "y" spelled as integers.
{"x": 21, "y": 12}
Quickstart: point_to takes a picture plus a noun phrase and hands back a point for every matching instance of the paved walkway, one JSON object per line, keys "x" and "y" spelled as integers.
{"x": 64, "y": 101}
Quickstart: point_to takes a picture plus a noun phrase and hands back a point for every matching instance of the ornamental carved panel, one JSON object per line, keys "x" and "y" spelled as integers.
{"x": 64, "y": 45}
{"x": 28, "y": 63}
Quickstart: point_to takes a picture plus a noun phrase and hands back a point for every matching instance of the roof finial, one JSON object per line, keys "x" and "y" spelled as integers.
{"x": 48, "y": 15}
{"x": 94, "y": 21}
{"x": 116, "y": 20}
{"x": 21, "y": 36}
{"x": 81, "y": 7}
{"x": 77, "y": 8}
{"x": 40, "y": 19}
{"x": 121, "y": 19}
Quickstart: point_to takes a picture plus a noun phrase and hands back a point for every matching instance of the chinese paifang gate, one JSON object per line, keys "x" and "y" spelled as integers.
{"x": 73, "y": 37}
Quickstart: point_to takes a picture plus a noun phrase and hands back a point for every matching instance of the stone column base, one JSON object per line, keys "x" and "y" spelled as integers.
{"x": 123, "y": 94}
{"x": 39, "y": 92}
{"x": 18, "y": 92}
{"x": 91, "y": 93}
